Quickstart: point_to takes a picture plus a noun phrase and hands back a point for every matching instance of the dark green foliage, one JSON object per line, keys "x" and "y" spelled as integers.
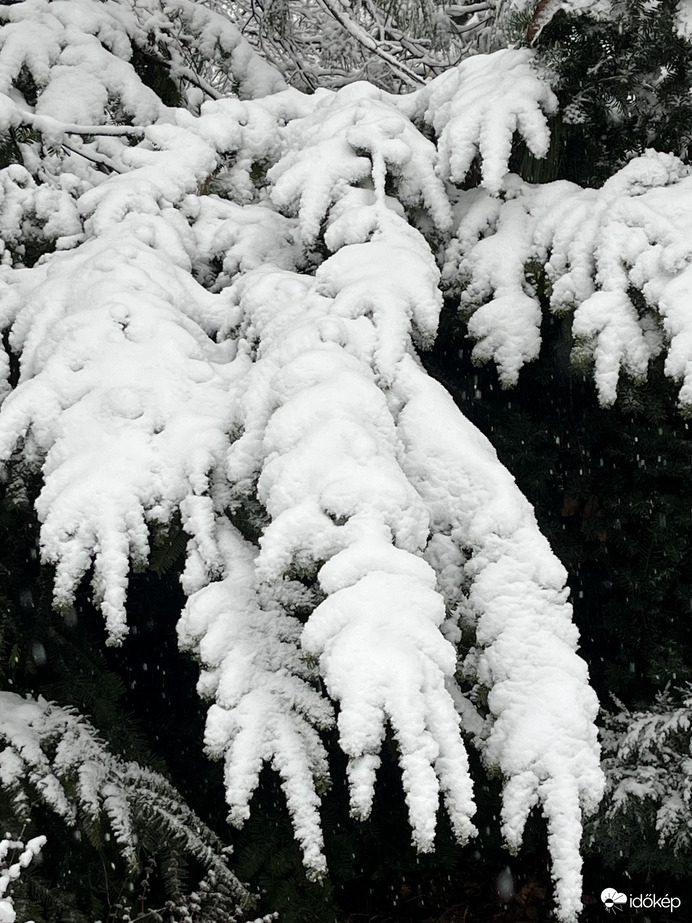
{"x": 152, "y": 69}
{"x": 11, "y": 142}
{"x": 26, "y": 85}
{"x": 623, "y": 85}
{"x": 642, "y": 831}
{"x": 168, "y": 546}
{"x": 551, "y": 167}
{"x": 250, "y": 518}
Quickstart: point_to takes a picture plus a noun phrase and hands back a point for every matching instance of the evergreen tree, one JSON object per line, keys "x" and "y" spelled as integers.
{"x": 213, "y": 298}
{"x": 622, "y": 72}
{"x": 211, "y": 317}
{"x": 123, "y": 841}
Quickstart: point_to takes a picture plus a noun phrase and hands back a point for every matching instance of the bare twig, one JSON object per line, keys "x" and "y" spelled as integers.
{"x": 188, "y": 74}
{"x": 94, "y": 157}
{"x": 367, "y": 41}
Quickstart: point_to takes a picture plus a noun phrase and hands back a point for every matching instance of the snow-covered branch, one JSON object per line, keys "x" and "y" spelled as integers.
{"x": 22, "y": 854}
{"x": 53, "y": 127}
{"x": 394, "y": 45}
{"x": 227, "y": 336}
{"x": 467, "y": 8}
{"x": 51, "y": 755}
{"x": 597, "y": 248}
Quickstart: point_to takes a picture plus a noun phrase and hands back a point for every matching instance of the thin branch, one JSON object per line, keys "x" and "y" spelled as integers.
{"x": 188, "y": 74}
{"x": 416, "y": 49}
{"x": 372, "y": 9}
{"x": 466, "y": 10}
{"x": 47, "y": 124}
{"x": 471, "y": 27}
{"x": 94, "y": 157}
{"x": 300, "y": 67}
{"x": 367, "y": 41}
{"x": 147, "y": 913}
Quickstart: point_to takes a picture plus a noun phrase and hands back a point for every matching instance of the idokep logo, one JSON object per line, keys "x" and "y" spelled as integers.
{"x": 652, "y": 901}
{"x": 616, "y": 900}
{"x": 613, "y": 900}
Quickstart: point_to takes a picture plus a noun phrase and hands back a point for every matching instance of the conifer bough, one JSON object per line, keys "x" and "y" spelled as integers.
{"x": 216, "y": 308}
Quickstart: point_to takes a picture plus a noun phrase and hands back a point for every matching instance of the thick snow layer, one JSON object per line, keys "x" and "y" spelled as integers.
{"x": 596, "y": 248}
{"x": 125, "y": 401}
{"x": 265, "y": 709}
{"x": 525, "y": 640}
{"x": 78, "y": 53}
{"x": 476, "y": 108}
{"x": 226, "y": 332}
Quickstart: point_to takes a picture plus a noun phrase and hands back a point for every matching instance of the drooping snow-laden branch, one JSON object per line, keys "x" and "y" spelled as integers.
{"x": 617, "y": 259}
{"x": 245, "y": 359}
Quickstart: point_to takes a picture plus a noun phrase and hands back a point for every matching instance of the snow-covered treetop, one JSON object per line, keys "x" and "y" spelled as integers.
{"x": 215, "y": 312}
